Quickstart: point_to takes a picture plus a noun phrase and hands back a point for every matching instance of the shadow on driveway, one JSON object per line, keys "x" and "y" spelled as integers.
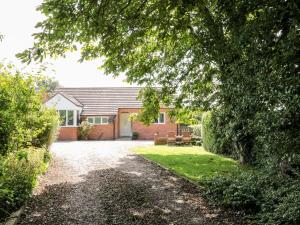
{"x": 135, "y": 191}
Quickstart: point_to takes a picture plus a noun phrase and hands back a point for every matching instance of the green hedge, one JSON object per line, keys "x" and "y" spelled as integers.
{"x": 214, "y": 137}
{"x": 207, "y": 133}
{"x": 19, "y": 172}
{"x": 267, "y": 199}
{"x": 27, "y": 129}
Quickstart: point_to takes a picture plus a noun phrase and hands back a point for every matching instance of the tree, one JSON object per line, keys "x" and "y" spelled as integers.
{"x": 46, "y": 84}
{"x": 239, "y": 57}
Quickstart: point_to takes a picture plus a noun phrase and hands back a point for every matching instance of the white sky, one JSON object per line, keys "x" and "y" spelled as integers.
{"x": 17, "y": 21}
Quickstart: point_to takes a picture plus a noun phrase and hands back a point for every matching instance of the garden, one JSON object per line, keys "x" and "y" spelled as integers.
{"x": 237, "y": 61}
{"x": 261, "y": 194}
{"x": 27, "y": 129}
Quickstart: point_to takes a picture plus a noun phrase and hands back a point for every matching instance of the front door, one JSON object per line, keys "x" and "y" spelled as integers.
{"x": 125, "y": 125}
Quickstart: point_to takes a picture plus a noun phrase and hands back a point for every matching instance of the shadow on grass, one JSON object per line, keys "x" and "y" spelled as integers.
{"x": 133, "y": 192}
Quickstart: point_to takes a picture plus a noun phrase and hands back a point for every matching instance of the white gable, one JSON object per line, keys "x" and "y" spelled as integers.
{"x": 59, "y": 102}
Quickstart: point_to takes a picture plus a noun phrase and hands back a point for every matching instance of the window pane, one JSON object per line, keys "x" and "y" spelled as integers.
{"x": 91, "y": 120}
{"x": 104, "y": 120}
{"x": 98, "y": 120}
{"x": 161, "y": 118}
{"x": 62, "y": 117}
{"x": 70, "y": 117}
{"x": 78, "y": 117}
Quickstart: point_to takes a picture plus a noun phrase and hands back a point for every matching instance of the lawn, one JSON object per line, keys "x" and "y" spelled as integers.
{"x": 192, "y": 162}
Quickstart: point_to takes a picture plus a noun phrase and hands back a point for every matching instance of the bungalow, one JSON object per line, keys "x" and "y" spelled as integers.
{"x": 108, "y": 110}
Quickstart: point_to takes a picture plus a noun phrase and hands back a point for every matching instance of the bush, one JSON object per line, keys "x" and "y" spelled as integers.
{"x": 19, "y": 173}
{"x": 24, "y": 120}
{"x": 135, "y": 135}
{"x": 196, "y": 130}
{"x": 208, "y": 137}
{"x": 214, "y": 138}
{"x": 48, "y": 124}
{"x": 268, "y": 199}
{"x": 24, "y": 124}
{"x": 84, "y": 130}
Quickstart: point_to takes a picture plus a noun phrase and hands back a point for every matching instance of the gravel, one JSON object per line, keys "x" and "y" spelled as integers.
{"x": 103, "y": 183}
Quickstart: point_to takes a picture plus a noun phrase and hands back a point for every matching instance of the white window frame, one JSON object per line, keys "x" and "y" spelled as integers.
{"x": 158, "y": 122}
{"x": 101, "y": 120}
{"x": 66, "y": 120}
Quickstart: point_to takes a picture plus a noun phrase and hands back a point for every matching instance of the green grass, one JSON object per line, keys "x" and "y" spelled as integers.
{"x": 192, "y": 162}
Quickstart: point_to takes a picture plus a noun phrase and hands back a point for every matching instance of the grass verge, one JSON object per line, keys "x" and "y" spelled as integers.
{"x": 192, "y": 162}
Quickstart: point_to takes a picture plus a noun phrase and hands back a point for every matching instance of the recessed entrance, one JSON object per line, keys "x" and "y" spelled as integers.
{"x": 125, "y": 125}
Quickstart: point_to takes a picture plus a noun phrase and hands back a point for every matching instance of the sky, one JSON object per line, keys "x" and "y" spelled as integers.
{"x": 17, "y": 21}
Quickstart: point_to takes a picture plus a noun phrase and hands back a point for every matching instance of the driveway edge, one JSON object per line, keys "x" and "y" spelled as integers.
{"x": 169, "y": 170}
{"x": 14, "y": 218}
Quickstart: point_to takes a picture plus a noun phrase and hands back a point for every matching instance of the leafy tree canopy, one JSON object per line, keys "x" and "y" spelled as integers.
{"x": 239, "y": 57}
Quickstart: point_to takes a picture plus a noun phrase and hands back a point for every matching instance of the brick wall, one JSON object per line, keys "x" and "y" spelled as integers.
{"x": 147, "y": 132}
{"x": 106, "y": 131}
{"x": 68, "y": 134}
{"x": 102, "y": 132}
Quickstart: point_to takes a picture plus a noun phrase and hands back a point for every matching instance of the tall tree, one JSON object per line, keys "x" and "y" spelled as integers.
{"x": 239, "y": 57}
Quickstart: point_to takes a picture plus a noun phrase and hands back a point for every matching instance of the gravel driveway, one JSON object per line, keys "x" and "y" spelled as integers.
{"x": 101, "y": 182}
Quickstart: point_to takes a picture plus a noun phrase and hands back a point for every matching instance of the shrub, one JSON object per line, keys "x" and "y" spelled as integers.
{"x": 208, "y": 137}
{"x": 84, "y": 130}
{"x": 239, "y": 193}
{"x": 214, "y": 137}
{"x": 267, "y": 198}
{"x": 196, "y": 130}
{"x": 48, "y": 124}
{"x": 19, "y": 173}
{"x": 23, "y": 119}
{"x": 135, "y": 135}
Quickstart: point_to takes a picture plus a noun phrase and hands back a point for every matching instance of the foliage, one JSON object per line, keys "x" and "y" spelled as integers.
{"x": 133, "y": 117}
{"x": 84, "y": 130}
{"x": 207, "y": 132}
{"x": 150, "y": 109}
{"x": 23, "y": 119}
{"x": 192, "y": 162}
{"x": 196, "y": 130}
{"x": 46, "y": 84}
{"x": 239, "y": 57}
{"x": 239, "y": 193}
{"x": 186, "y": 116}
{"x": 19, "y": 104}
{"x": 268, "y": 199}
{"x": 135, "y": 135}
{"x": 18, "y": 176}
{"x": 25, "y": 124}
{"x": 48, "y": 123}
{"x": 215, "y": 138}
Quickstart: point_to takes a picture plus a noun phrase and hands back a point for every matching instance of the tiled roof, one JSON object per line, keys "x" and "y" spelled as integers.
{"x": 103, "y": 100}
{"x": 71, "y": 98}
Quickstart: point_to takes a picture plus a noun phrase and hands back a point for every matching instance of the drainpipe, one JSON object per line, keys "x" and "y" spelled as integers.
{"x": 114, "y": 127}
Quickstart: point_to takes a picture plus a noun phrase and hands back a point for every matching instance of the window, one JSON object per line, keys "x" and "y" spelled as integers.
{"x": 91, "y": 120}
{"x": 160, "y": 119}
{"x": 70, "y": 117}
{"x": 104, "y": 120}
{"x": 98, "y": 120}
{"x": 67, "y": 117}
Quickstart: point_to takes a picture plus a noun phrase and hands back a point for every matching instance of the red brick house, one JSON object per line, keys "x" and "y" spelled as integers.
{"x": 108, "y": 110}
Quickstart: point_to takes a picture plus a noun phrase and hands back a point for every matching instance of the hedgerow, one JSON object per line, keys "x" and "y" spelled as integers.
{"x": 265, "y": 198}
{"x": 27, "y": 130}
